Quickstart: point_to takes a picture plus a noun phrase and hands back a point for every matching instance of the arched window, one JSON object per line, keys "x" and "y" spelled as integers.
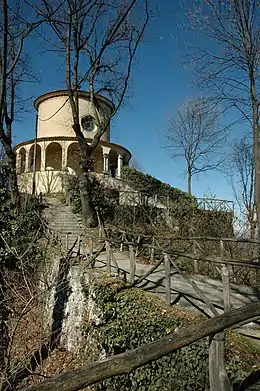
{"x": 53, "y": 156}
{"x": 73, "y": 157}
{"x": 37, "y": 158}
{"x": 22, "y": 157}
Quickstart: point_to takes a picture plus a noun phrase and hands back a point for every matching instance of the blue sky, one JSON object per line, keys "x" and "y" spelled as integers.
{"x": 159, "y": 85}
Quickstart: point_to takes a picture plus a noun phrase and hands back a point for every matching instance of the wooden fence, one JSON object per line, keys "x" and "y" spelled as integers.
{"x": 169, "y": 258}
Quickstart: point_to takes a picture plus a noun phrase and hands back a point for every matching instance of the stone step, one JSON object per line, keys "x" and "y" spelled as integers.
{"x": 65, "y": 223}
{"x": 67, "y": 230}
{"x": 60, "y": 218}
{"x": 62, "y": 222}
{"x": 65, "y": 220}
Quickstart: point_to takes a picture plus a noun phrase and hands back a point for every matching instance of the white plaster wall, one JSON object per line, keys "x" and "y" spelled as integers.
{"x": 55, "y": 118}
{"x": 46, "y": 182}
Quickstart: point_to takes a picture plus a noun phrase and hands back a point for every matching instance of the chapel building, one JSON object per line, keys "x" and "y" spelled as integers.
{"x": 54, "y": 152}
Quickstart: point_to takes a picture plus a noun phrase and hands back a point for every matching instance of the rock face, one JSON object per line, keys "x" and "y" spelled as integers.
{"x": 69, "y": 301}
{"x": 71, "y": 334}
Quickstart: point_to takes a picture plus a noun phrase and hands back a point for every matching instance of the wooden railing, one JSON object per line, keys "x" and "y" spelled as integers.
{"x": 167, "y": 258}
{"x": 214, "y": 204}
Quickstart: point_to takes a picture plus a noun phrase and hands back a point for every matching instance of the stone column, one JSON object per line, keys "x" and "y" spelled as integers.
{"x": 119, "y": 165}
{"x": 64, "y": 158}
{"x": 43, "y": 157}
{"x": 105, "y": 163}
{"x": 18, "y": 162}
{"x": 27, "y": 161}
{"x": 106, "y": 151}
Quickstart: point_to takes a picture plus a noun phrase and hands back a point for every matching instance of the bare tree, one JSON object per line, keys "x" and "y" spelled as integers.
{"x": 243, "y": 173}
{"x": 228, "y": 64}
{"x": 14, "y": 29}
{"x": 195, "y": 136}
{"x": 99, "y": 40}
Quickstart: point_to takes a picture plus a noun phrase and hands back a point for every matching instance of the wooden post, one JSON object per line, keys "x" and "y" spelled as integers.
{"x": 108, "y": 258}
{"x": 137, "y": 247}
{"x": 67, "y": 240}
{"x": 122, "y": 242}
{"x": 195, "y": 261}
{"x": 132, "y": 264}
{"x": 152, "y": 251}
{"x": 91, "y": 251}
{"x": 226, "y": 287}
{"x": 217, "y": 370}
{"x": 218, "y": 378}
{"x": 167, "y": 267}
{"x": 79, "y": 245}
{"x": 225, "y": 280}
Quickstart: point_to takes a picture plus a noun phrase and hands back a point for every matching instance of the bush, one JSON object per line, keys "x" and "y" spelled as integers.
{"x": 131, "y": 318}
{"x": 20, "y": 228}
{"x": 103, "y": 199}
{"x": 151, "y": 186}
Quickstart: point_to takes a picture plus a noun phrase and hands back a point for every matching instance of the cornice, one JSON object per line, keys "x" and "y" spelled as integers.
{"x": 81, "y": 94}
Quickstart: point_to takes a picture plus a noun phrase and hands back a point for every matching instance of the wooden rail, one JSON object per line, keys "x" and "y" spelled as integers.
{"x": 169, "y": 259}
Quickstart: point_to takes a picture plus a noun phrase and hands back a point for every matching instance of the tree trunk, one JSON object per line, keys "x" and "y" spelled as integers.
{"x": 256, "y": 149}
{"x": 13, "y": 185}
{"x": 189, "y": 180}
{"x": 4, "y": 332}
{"x": 251, "y": 221}
{"x": 85, "y": 186}
{"x": 89, "y": 215}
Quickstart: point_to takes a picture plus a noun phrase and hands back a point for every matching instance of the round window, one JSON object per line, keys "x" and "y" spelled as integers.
{"x": 87, "y": 123}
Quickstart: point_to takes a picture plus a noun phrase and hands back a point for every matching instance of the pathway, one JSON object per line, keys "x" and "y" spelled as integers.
{"x": 183, "y": 294}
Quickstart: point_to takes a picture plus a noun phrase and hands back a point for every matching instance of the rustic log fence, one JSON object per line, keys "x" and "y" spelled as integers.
{"x": 169, "y": 258}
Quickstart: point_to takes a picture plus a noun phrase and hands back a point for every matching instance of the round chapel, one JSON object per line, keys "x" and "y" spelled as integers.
{"x": 53, "y": 153}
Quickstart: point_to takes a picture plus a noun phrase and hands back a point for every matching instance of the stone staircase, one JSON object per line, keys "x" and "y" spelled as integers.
{"x": 63, "y": 221}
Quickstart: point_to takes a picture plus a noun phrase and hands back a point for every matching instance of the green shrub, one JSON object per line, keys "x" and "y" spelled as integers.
{"x": 103, "y": 198}
{"x": 151, "y": 186}
{"x": 20, "y": 228}
{"x": 132, "y": 318}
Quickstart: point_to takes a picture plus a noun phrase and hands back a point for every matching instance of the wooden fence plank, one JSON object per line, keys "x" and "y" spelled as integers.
{"x": 67, "y": 241}
{"x": 167, "y": 267}
{"x": 141, "y": 278}
{"x": 108, "y": 258}
{"x": 195, "y": 261}
{"x": 137, "y": 247}
{"x": 152, "y": 250}
{"x": 225, "y": 280}
{"x": 132, "y": 264}
{"x": 195, "y": 287}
